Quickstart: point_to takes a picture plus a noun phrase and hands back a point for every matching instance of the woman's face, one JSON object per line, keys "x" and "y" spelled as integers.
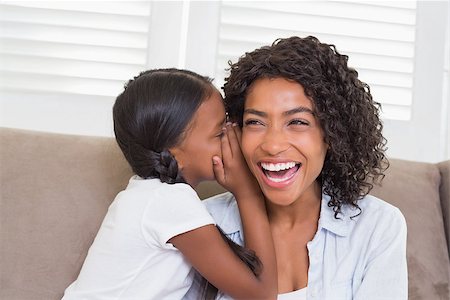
{"x": 282, "y": 140}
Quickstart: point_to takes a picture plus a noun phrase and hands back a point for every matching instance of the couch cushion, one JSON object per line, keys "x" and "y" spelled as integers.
{"x": 55, "y": 190}
{"x": 414, "y": 188}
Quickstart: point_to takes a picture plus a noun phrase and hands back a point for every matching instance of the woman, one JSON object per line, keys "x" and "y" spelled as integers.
{"x": 312, "y": 136}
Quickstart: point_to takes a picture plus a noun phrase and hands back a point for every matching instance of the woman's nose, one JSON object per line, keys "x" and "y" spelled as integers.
{"x": 274, "y": 142}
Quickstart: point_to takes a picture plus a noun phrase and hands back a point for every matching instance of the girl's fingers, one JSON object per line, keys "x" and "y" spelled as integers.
{"x": 218, "y": 169}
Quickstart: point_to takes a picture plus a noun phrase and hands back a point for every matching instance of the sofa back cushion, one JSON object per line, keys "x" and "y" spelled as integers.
{"x": 55, "y": 190}
{"x": 413, "y": 187}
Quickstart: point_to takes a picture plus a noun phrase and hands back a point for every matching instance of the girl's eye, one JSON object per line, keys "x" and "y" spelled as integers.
{"x": 220, "y": 134}
{"x": 299, "y": 122}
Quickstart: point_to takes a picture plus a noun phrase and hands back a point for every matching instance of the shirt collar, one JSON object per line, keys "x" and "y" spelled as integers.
{"x": 231, "y": 222}
{"x": 340, "y": 226}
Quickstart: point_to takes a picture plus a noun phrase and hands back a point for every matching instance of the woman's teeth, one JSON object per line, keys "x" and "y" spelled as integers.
{"x": 278, "y": 166}
{"x": 280, "y": 172}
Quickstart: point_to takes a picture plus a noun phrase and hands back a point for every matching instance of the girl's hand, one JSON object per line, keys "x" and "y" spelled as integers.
{"x": 232, "y": 171}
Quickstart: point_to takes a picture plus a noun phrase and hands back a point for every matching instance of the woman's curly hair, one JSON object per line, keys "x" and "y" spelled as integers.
{"x": 344, "y": 107}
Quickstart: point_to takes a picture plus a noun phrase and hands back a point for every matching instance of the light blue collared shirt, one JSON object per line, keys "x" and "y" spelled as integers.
{"x": 363, "y": 257}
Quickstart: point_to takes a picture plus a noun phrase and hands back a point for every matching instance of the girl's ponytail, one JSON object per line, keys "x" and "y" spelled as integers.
{"x": 168, "y": 168}
{"x": 151, "y": 164}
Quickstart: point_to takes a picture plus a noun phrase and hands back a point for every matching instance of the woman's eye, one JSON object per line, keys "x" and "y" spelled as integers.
{"x": 299, "y": 122}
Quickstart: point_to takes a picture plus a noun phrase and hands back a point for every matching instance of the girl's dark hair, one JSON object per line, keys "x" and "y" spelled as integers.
{"x": 343, "y": 105}
{"x": 152, "y": 115}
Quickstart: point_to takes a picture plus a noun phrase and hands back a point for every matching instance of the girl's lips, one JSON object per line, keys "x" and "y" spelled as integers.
{"x": 279, "y": 175}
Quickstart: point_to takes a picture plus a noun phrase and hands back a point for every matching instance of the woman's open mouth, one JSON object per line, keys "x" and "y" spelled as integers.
{"x": 279, "y": 174}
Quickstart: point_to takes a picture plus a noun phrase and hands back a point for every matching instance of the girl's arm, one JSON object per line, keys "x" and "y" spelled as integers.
{"x": 209, "y": 253}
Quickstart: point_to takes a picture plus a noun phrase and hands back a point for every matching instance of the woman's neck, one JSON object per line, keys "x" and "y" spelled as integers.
{"x": 305, "y": 209}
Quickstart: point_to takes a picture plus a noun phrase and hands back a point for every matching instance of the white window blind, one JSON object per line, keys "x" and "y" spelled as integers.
{"x": 91, "y": 48}
{"x": 378, "y": 37}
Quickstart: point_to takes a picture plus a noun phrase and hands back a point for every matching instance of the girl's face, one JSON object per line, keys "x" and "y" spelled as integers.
{"x": 282, "y": 140}
{"x": 201, "y": 141}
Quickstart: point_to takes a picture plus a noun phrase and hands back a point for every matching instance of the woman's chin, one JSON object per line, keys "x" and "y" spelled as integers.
{"x": 282, "y": 195}
{"x": 278, "y": 198}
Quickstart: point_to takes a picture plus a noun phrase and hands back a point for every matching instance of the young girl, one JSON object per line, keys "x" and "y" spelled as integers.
{"x": 169, "y": 124}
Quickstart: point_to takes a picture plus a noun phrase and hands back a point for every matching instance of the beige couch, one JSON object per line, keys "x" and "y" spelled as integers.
{"x": 55, "y": 190}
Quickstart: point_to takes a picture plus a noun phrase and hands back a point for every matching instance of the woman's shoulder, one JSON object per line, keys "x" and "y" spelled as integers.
{"x": 220, "y": 203}
{"x": 373, "y": 207}
{"x": 223, "y": 208}
{"x": 376, "y": 215}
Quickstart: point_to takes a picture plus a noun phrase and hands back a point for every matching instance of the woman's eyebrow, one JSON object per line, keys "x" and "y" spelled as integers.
{"x": 300, "y": 109}
{"x": 255, "y": 112}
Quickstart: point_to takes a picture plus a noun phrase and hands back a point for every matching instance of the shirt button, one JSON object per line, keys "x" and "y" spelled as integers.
{"x": 314, "y": 292}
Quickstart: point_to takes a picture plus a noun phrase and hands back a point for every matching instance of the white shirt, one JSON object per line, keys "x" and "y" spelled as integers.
{"x": 295, "y": 295}
{"x": 130, "y": 257}
{"x": 350, "y": 258}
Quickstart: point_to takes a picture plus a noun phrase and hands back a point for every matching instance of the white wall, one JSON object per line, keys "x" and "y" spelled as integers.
{"x": 423, "y": 137}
